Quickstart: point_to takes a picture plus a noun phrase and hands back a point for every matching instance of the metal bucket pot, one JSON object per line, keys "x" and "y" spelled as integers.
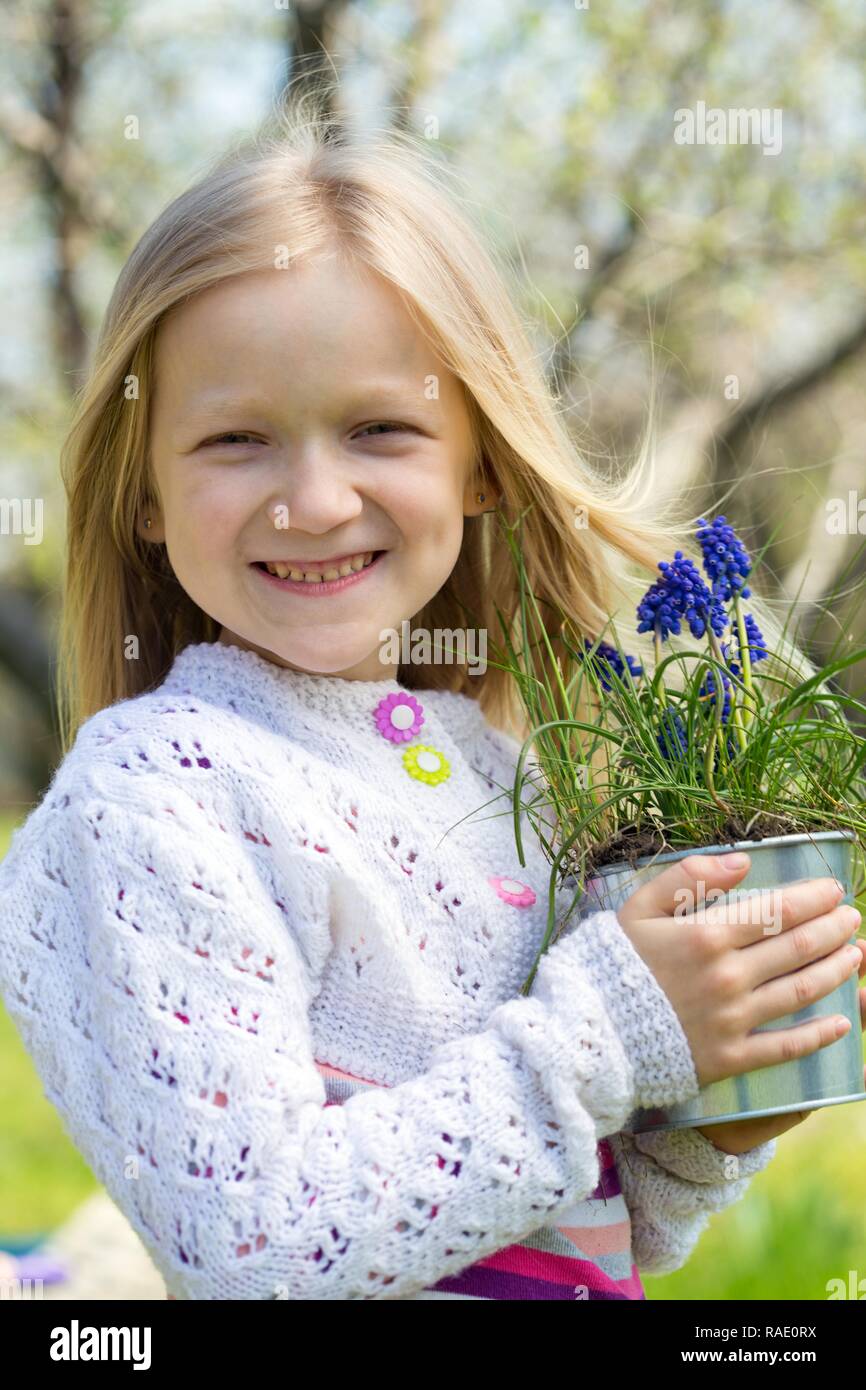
{"x": 830, "y": 1076}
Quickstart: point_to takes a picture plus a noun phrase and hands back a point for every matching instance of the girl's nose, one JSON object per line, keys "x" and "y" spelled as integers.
{"x": 320, "y": 494}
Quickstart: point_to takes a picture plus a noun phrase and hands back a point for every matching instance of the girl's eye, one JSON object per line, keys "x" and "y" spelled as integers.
{"x": 231, "y": 435}
{"x": 388, "y": 425}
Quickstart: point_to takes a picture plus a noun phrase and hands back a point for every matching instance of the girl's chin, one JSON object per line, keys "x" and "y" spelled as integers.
{"x": 363, "y": 663}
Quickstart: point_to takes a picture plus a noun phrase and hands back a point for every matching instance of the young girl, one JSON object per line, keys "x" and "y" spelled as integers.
{"x": 264, "y": 935}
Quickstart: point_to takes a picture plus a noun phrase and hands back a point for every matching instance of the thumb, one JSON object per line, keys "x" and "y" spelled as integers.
{"x": 682, "y": 887}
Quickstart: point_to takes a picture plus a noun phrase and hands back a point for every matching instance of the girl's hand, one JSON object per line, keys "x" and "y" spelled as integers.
{"x": 738, "y": 1135}
{"x": 729, "y": 967}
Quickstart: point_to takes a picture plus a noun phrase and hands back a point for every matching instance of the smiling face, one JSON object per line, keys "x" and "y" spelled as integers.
{"x": 292, "y": 423}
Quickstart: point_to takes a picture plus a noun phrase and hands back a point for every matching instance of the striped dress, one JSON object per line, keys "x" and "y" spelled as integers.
{"x": 587, "y": 1257}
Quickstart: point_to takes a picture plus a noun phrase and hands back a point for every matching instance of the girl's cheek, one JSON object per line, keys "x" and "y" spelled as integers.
{"x": 212, "y": 518}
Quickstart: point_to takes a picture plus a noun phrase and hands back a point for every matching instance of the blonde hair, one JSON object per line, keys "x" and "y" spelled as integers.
{"x": 388, "y": 201}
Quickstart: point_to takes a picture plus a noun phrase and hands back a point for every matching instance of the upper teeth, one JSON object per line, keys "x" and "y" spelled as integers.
{"x": 355, "y": 562}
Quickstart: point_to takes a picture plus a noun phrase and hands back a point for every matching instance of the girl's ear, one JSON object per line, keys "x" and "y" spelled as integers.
{"x": 480, "y": 496}
{"x": 149, "y": 525}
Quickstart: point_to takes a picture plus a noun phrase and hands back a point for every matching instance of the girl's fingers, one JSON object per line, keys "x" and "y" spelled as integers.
{"x": 788, "y": 993}
{"x": 775, "y": 1045}
{"x": 770, "y": 911}
{"x": 782, "y": 953}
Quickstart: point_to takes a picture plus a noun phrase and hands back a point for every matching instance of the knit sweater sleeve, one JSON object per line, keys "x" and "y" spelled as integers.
{"x": 673, "y": 1181}
{"x": 162, "y": 988}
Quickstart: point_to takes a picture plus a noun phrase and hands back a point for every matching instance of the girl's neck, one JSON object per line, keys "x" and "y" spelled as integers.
{"x": 371, "y": 671}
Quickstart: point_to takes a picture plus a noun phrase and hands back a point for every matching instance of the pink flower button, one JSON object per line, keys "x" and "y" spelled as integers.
{"x": 399, "y": 716}
{"x": 510, "y": 891}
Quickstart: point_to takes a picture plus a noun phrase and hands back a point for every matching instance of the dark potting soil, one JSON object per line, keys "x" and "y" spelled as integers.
{"x": 630, "y": 844}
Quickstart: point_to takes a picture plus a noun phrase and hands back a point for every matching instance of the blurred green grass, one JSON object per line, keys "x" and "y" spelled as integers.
{"x": 801, "y": 1223}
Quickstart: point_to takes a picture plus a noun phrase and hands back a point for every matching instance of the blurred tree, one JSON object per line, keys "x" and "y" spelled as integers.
{"x": 42, "y": 133}
{"x": 312, "y": 32}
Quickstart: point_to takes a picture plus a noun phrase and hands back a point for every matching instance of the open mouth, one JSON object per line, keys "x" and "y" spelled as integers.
{"x": 312, "y": 581}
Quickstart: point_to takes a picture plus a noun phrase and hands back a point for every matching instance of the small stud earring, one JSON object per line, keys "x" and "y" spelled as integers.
{"x": 480, "y": 496}
{"x": 148, "y": 523}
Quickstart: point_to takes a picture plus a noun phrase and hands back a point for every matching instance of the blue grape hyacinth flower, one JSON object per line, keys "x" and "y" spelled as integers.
{"x": 681, "y": 593}
{"x": 707, "y": 691}
{"x": 757, "y": 647}
{"x": 672, "y": 741}
{"x": 726, "y": 559}
{"x": 606, "y": 655}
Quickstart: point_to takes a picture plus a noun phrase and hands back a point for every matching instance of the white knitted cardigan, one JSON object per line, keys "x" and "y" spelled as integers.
{"x": 240, "y": 875}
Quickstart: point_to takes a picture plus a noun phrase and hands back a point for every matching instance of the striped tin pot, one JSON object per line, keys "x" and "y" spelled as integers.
{"x": 830, "y": 1076}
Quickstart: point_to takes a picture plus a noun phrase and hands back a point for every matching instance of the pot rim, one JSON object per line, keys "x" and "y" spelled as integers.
{"x": 771, "y": 842}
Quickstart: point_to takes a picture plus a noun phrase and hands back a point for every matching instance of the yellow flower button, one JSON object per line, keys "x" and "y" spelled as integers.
{"x": 426, "y": 763}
